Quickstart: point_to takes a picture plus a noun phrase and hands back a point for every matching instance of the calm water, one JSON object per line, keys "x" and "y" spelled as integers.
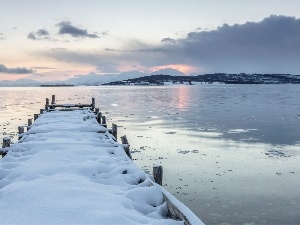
{"x": 230, "y": 152}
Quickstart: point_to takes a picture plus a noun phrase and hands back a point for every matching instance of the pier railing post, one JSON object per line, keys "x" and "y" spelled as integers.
{"x": 126, "y": 149}
{"x": 104, "y": 121}
{"x": 99, "y": 117}
{"x": 93, "y": 104}
{"x": 35, "y": 116}
{"x": 29, "y": 124}
{"x": 5, "y": 144}
{"x": 114, "y": 131}
{"x": 21, "y": 131}
{"x": 158, "y": 174}
{"x": 53, "y": 99}
{"x": 47, "y": 104}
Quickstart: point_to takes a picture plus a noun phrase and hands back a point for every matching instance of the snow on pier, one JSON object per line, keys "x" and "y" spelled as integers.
{"x": 68, "y": 169}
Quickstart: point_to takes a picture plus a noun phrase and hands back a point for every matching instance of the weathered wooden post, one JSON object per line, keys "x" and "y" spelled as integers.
{"x": 93, "y": 104}
{"x": 96, "y": 111}
{"x": 41, "y": 111}
{"x": 47, "y": 104}
{"x": 114, "y": 131}
{"x": 21, "y": 131}
{"x": 126, "y": 149}
{"x": 5, "y": 144}
{"x": 99, "y": 117}
{"x": 158, "y": 174}
{"x": 104, "y": 121}
{"x": 35, "y": 116}
{"x": 53, "y": 99}
{"x": 29, "y": 124}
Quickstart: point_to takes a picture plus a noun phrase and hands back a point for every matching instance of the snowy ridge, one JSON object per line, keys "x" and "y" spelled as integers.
{"x": 68, "y": 169}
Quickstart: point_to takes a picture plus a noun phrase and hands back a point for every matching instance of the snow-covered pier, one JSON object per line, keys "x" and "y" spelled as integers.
{"x": 68, "y": 168}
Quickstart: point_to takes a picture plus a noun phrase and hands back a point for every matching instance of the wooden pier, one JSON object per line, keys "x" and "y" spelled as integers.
{"x": 68, "y": 168}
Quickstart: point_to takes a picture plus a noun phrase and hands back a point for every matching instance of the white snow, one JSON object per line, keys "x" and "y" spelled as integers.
{"x": 67, "y": 169}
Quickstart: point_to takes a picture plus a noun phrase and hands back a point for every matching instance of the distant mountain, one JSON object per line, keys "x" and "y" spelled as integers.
{"x": 168, "y": 71}
{"x": 19, "y": 83}
{"x": 98, "y": 79}
{"x": 93, "y": 78}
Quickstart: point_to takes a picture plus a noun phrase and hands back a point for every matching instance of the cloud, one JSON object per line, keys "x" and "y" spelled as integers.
{"x": 2, "y": 36}
{"x": 40, "y": 34}
{"x": 269, "y": 46}
{"x": 65, "y": 27}
{"x": 17, "y": 70}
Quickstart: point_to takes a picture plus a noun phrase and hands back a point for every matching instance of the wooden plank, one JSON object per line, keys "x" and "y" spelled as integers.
{"x": 174, "y": 213}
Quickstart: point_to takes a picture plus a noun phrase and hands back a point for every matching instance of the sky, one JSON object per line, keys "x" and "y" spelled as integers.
{"x": 60, "y": 39}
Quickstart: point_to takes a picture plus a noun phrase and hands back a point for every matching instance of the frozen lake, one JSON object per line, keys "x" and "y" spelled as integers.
{"x": 230, "y": 152}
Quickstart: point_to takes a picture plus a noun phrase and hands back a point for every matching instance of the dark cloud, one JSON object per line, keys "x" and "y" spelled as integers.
{"x": 66, "y": 27}
{"x": 170, "y": 40}
{"x": 269, "y": 46}
{"x": 40, "y": 34}
{"x": 17, "y": 70}
{"x": 272, "y": 45}
{"x": 2, "y": 36}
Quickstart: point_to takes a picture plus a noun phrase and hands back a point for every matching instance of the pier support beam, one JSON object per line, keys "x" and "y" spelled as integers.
{"x": 126, "y": 149}
{"x": 158, "y": 174}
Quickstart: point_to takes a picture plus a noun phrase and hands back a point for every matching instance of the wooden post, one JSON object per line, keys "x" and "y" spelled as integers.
{"x": 21, "y": 131}
{"x": 99, "y": 117}
{"x": 104, "y": 121}
{"x": 47, "y": 103}
{"x": 41, "y": 111}
{"x": 93, "y": 104}
{"x": 5, "y": 144}
{"x": 126, "y": 149}
{"x": 115, "y": 131}
{"x": 35, "y": 116}
{"x": 96, "y": 111}
{"x": 53, "y": 99}
{"x": 29, "y": 124}
{"x": 158, "y": 174}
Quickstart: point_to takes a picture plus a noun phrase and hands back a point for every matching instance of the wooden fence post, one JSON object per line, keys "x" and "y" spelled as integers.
{"x": 96, "y": 111}
{"x": 126, "y": 149}
{"x": 41, "y": 111}
{"x": 104, "y": 121}
{"x": 114, "y": 132}
{"x": 158, "y": 174}
{"x": 35, "y": 116}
